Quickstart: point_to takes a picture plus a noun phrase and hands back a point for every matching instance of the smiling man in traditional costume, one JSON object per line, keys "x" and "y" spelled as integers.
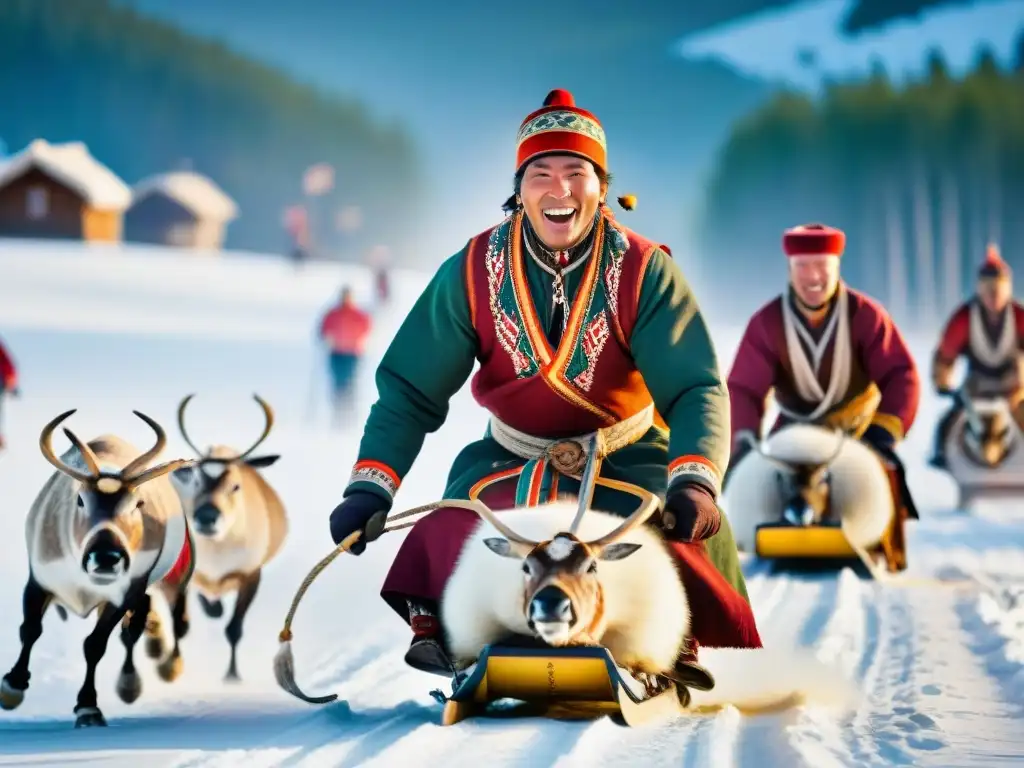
{"x": 832, "y": 355}
{"x": 988, "y": 330}
{"x": 579, "y": 325}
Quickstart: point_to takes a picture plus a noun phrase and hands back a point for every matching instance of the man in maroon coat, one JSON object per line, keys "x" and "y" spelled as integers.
{"x": 987, "y": 330}
{"x": 832, "y": 355}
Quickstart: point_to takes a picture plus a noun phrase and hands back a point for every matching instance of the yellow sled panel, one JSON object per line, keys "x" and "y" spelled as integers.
{"x": 559, "y": 683}
{"x": 535, "y": 678}
{"x": 785, "y": 541}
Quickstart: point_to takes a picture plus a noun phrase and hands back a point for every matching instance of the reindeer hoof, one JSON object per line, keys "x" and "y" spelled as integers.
{"x": 170, "y": 669}
{"x": 10, "y": 697}
{"x": 89, "y": 717}
{"x": 154, "y": 647}
{"x": 232, "y": 677}
{"x": 129, "y": 686}
{"x": 212, "y": 608}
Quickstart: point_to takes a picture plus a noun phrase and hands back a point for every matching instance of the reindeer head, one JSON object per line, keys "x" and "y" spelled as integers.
{"x": 210, "y": 487}
{"x": 109, "y": 525}
{"x": 563, "y": 595}
{"x": 804, "y": 486}
{"x": 989, "y": 432}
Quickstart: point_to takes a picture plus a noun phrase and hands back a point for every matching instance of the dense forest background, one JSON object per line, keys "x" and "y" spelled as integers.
{"x": 921, "y": 179}
{"x": 146, "y": 98}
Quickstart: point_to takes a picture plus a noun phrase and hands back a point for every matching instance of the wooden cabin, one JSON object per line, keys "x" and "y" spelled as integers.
{"x": 183, "y": 209}
{"x": 60, "y": 191}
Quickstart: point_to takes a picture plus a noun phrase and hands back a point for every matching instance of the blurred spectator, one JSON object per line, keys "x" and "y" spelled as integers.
{"x": 8, "y": 385}
{"x": 344, "y": 328}
{"x": 379, "y": 262}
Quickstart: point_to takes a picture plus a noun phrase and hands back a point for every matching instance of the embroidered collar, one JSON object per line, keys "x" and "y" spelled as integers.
{"x": 560, "y": 260}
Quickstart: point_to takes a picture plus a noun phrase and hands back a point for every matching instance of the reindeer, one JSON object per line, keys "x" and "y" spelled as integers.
{"x": 571, "y": 577}
{"x": 990, "y": 432}
{"x": 803, "y": 470}
{"x": 239, "y": 522}
{"x": 803, "y": 483}
{"x": 102, "y": 532}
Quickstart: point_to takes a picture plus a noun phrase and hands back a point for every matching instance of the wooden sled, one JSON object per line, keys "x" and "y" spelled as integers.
{"x": 826, "y": 541}
{"x": 580, "y": 683}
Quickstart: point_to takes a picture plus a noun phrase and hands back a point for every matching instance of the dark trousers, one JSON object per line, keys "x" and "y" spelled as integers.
{"x": 343, "y": 369}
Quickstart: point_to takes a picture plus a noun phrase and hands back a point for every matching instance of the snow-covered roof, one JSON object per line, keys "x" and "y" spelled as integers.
{"x": 73, "y": 166}
{"x": 194, "y": 191}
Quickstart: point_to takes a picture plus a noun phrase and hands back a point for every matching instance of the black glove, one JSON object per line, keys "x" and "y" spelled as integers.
{"x": 690, "y": 514}
{"x": 879, "y": 438}
{"x": 360, "y": 511}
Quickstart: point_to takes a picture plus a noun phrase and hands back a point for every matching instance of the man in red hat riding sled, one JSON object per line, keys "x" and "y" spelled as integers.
{"x": 579, "y": 325}
{"x": 832, "y": 355}
{"x": 988, "y": 330}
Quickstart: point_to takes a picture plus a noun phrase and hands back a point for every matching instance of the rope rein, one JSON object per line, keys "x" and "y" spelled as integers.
{"x": 346, "y": 544}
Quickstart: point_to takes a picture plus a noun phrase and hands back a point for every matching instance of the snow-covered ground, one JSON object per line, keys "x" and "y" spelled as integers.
{"x": 111, "y": 332}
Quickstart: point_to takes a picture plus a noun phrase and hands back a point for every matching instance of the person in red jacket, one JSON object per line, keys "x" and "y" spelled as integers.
{"x": 344, "y": 329}
{"x": 8, "y": 385}
{"x": 832, "y": 356}
{"x": 988, "y": 330}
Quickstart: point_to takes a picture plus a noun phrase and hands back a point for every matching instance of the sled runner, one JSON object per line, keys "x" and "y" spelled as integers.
{"x": 578, "y": 683}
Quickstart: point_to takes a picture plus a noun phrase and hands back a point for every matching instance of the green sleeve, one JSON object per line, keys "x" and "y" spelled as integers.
{"x": 429, "y": 360}
{"x": 673, "y": 351}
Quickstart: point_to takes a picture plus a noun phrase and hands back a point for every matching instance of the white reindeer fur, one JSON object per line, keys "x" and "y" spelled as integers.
{"x": 647, "y": 609}
{"x": 859, "y": 486}
{"x": 56, "y": 505}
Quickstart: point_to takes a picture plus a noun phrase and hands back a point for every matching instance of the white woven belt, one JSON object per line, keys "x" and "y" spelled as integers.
{"x": 568, "y": 455}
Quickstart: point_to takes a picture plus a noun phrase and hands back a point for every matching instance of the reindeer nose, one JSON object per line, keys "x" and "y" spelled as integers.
{"x": 103, "y": 560}
{"x": 551, "y": 604}
{"x": 206, "y": 517}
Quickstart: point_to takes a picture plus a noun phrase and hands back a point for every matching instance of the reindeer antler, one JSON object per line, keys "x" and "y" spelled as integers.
{"x": 487, "y": 514}
{"x": 268, "y": 416}
{"x": 648, "y": 506}
{"x": 181, "y": 423}
{"x": 139, "y": 462}
{"x": 268, "y": 419}
{"x": 154, "y": 472}
{"x": 46, "y": 447}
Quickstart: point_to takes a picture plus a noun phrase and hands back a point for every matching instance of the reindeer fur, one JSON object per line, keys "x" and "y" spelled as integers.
{"x": 647, "y": 611}
{"x": 646, "y": 608}
{"x": 254, "y": 531}
{"x": 860, "y": 490}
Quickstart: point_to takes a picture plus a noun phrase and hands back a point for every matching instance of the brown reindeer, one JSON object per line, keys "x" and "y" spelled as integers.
{"x": 102, "y": 533}
{"x": 239, "y": 523}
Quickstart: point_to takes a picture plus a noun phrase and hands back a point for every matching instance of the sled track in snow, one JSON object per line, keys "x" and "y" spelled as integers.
{"x": 926, "y": 659}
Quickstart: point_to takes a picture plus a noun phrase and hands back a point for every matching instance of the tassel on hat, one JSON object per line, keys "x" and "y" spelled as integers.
{"x": 993, "y": 265}
{"x": 628, "y": 202}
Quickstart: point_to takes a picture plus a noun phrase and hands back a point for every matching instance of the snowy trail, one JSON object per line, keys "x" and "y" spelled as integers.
{"x": 942, "y": 669}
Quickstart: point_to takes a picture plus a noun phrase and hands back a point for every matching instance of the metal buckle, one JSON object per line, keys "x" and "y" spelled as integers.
{"x": 568, "y": 457}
